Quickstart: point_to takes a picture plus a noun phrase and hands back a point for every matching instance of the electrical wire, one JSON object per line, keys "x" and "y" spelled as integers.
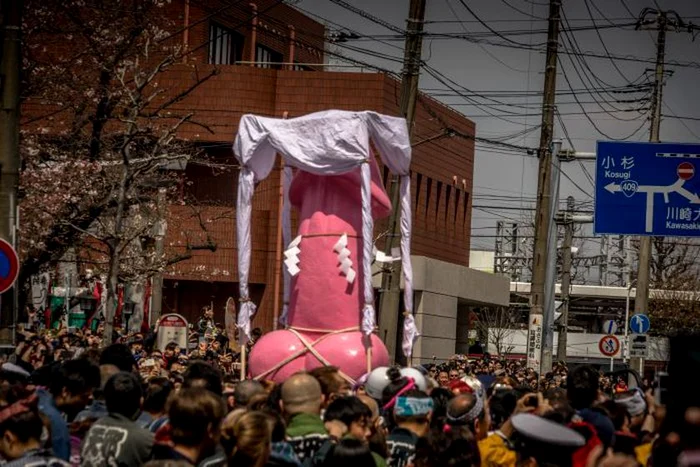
{"x": 493, "y": 31}
{"x": 484, "y": 49}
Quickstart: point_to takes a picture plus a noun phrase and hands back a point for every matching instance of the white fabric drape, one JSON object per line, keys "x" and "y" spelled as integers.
{"x": 246, "y": 184}
{"x": 368, "y": 313}
{"x": 324, "y": 143}
{"x": 410, "y": 333}
{"x": 286, "y": 238}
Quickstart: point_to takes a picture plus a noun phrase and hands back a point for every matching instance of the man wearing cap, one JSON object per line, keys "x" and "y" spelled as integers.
{"x": 412, "y": 412}
{"x": 540, "y": 442}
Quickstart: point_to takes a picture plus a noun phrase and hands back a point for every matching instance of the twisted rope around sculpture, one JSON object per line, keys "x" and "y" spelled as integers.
{"x": 309, "y": 347}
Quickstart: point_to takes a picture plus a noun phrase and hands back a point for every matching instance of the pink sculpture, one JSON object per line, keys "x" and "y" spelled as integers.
{"x": 323, "y": 305}
{"x": 338, "y": 192}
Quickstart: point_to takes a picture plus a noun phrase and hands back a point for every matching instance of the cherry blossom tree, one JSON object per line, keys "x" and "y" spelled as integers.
{"x": 98, "y": 132}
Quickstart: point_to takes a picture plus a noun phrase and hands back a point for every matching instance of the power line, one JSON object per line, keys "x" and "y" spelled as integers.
{"x": 505, "y": 38}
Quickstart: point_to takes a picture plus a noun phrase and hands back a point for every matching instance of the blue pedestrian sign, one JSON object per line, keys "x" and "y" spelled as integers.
{"x": 647, "y": 189}
{"x": 639, "y": 324}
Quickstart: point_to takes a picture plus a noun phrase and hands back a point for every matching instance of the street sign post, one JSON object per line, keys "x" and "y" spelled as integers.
{"x": 609, "y": 345}
{"x": 172, "y": 328}
{"x": 639, "y": 346}
{"x": 610, "y": 326}
{"x": 640, "y": 324}
{"x": 9, "y": 266}
{"x": 647, "y": 189}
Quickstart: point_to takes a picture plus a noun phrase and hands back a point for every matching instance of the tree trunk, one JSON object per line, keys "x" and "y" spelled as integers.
{"x": 115, "y": 249}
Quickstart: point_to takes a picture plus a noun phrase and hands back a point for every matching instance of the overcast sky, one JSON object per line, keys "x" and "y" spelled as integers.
{"x": 504, "y": 177}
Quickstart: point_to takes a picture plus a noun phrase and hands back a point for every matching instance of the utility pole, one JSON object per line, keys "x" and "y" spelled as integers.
{"x": 391, "y": 279}
{"x": 566, "y": 278}
{"x": 663, "y": 21}
{"x": 9, "y": 149}
{"x": 543, "y": 213}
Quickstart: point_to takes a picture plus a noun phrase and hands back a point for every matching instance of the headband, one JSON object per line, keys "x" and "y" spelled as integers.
{"x": 467, "y": 417}
{"x": 411, "y": 385}
{"x": 413, "y": 406}
{"x": 19, "y": 407}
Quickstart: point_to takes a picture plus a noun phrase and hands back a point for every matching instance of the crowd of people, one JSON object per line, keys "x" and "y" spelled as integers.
{"x": 64, "y": 400}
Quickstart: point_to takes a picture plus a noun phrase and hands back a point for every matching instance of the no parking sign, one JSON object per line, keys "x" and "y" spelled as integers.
{"x": 9, "y": 266}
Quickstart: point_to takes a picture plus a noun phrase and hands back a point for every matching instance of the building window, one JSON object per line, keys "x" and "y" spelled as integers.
{"x": 267, "y": 58}
{"x": 225, "y": 45}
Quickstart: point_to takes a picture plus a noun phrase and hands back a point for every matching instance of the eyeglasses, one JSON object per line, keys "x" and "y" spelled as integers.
{"x": 454, "y": 375}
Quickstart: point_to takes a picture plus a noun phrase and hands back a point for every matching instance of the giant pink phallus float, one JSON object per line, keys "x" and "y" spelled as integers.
{"x": 328, "y": 313}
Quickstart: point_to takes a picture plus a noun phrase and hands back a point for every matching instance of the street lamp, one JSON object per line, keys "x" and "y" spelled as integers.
{"x": 627, "y": 320}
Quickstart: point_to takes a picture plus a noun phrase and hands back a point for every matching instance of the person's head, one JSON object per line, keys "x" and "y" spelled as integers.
{"x": 540, "y": 442}
{"x": 21, "y": 425}
{"x": 440, "y": 397}
{"x": 248, "y": 439}
{"x": 453, "y": 374}
{"x": 453, "y": 447}
{"x": 123, "y": 395}
{"x": 177, "y": 367}
{"x": 618, "y": 414}
{"x": 195, "y": 418}
{"x": 202, "y": 375}
{"x": 118, "y": 355}
{"x": 353, "y": 413}
{"x": 137, "y": 346}
{"x": 443, "y": 378}
{"x": 170, "y": 350}
{"x": 208, "y": 313}
{"x": 332, "y": 383}
{"x": 348, "y": 452}
{"x": 72, "y": 383}
{"x": 413, "y": 410}
{"x": 156, "y": 398}
{"x": 301, "y": 393}
{"x": 582, "y": 387}
{"x": 471, "y": 411}
{"x": 245, "y": 391}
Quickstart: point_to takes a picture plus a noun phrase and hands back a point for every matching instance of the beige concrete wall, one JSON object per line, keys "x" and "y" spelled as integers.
{"x": 477, "y": 287}
{"x": 436, "y": 318}
{"x": 443, "y": 294}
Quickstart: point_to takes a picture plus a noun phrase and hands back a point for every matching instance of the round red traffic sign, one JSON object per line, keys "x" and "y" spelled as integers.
{"x": 609, "y": 345}
{"x": 686, "y": 170}
{"x": 9, "y": 266}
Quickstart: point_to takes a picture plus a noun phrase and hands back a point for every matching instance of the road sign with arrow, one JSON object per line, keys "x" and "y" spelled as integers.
{"x": 647, "y": 189}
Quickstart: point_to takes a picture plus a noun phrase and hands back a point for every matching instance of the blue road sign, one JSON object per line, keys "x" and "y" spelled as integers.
{"x": 639, "y": 324}
{"x": 647, "y": 189}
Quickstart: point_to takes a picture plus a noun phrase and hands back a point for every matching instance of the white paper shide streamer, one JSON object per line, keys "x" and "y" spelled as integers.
{"x": 246, "y": 184}
{"x": 344, "y": 261}
{"x": 410, "y": 332}
{"x": 303, "y": 142}
{"x": 368, "y": 313}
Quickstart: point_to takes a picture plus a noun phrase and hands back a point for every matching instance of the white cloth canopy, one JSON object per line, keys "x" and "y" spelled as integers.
{"x": 324, "y": 143}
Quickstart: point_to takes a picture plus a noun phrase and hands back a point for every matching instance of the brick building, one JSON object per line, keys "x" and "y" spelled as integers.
{"x": 272, "y": 64}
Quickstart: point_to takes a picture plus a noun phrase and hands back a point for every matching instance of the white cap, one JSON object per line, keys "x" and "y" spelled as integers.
{"x": 416, "y": 376}
{"x": 16, "y": 369}
{"x": 376, "y": 381}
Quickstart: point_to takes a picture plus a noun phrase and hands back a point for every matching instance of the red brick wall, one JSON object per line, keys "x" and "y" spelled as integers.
{"x": 441, "y": 222}
{"x": 441, "y": 169}
{"x": 274, "y": 19}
